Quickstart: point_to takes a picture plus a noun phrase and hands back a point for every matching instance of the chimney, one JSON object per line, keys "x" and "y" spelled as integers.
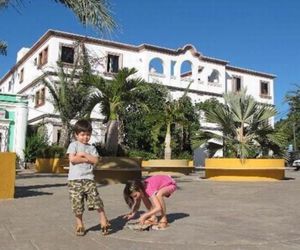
{"x": 22, "y": 53}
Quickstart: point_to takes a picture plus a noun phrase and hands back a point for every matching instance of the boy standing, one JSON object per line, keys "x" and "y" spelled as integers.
{"x": 83, "y": 157}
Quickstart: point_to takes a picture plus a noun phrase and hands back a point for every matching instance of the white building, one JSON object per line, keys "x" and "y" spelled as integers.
{"x": 174, "y": 68}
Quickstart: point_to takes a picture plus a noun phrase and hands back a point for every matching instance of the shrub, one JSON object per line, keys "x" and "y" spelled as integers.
{"x": 143, "y": 154}
{"x": 51, "y": 152}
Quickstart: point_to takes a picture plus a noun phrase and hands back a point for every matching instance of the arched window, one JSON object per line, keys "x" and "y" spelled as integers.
{"x": 214, "y": 76}
{"x": 156, "y": 66}
{"x": 186, "y": 70}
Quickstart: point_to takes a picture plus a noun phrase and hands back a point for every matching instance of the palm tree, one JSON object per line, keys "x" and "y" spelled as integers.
{"x": 70, "y": 92}
{"x": 3, "y": 48}
{"x": 244, "y": 126}
{"x": 113, "y": 96}
{"x": 172, "y": 114}
{"x": 94, "y": 13}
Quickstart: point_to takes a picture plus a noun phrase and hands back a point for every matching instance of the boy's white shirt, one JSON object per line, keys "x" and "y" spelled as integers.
{"x": 81, "y": 171}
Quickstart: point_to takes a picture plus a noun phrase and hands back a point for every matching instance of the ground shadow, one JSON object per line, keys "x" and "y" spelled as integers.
{"x": 288, "y": 178}
{"x": 29, "y": 191}
{"x": 33, "y": 175}
{"x": 176, "y": 216}
{"x": 117, "y": 224}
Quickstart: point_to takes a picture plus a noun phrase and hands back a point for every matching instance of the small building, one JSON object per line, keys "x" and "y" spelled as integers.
{"x": 13, "y": 123}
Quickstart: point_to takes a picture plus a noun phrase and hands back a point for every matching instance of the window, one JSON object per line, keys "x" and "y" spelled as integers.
{"x": 214, "y": 76}
{"x": 264, "y": 89}
{"x": 156, "y": 66}
{"x": 236, "y": 84}
{"x": 186, "y": 70}
{"x": 112, "y": 63}
{"x": 40, "y": 97}
{"x": 43, "y": 58}
{"x": 21, "y": 75}
{"x": 67, "y": 54}
{"x": 58, "y": 136}
{"x": 10, "y": 85}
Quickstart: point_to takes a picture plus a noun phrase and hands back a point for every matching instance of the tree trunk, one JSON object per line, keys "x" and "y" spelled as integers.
{"x": 168, "y": 150}
{"x": 112, "y": 136}
{"x": 64, "y": 139}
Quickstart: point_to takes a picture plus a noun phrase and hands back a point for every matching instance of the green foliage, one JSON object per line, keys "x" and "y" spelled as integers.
{"x": 143, "y": 154}
{"x": 184, "y": 155}
{"x": 34, "y": 143}
{"x": 70, "y": 92}
{"x": 139, "y": 119}
{"x": 3, "y": 48}
{"x": 95, "y": 13}
{"x": 51, "y": 152}
{"x": 182, "y": 132}
{"x": 244, "y": 130}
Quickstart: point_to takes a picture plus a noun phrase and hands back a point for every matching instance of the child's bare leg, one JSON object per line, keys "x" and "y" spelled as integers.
{"x": 102, "y": 217}
{"x": 166, "y": 191}
{"x": 79, "y": 221}
{"x": 163, "y": 209}
{"x": 148, "y": 205}
{"x": 80, "y": 231}
{"x": 103, "y": 221}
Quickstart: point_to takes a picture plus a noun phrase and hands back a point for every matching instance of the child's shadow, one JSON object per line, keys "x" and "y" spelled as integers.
{"x": 117, "y": 224}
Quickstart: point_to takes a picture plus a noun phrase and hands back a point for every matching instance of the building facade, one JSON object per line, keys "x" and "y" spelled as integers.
{"x": 174, "y": 68}
{"x": 13, "y": 123}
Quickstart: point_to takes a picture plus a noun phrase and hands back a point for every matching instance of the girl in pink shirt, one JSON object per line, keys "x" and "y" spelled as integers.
{"x": 152, "y": 192}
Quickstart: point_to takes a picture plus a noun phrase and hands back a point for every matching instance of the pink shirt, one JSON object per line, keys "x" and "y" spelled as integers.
{"x": 156, "y": 182}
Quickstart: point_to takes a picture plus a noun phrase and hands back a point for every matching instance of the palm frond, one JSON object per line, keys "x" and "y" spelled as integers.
{"x": 95, "y": 13}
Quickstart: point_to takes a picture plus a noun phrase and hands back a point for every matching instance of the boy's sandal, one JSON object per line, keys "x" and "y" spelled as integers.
{"x": 80, "y": 231}
{"x": 162, "y": 225}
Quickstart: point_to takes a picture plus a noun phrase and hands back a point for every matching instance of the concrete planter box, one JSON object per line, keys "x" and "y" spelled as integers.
{"x": 7, "y": 175}
{"x": 112, "y": 170}
{"x": 171, "y": 167}
{"x": 50, "y": 165}
{"x": 232, "y": 169}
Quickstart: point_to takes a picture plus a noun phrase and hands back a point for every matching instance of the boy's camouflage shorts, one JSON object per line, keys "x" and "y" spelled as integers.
{"x": 80, "y": 190}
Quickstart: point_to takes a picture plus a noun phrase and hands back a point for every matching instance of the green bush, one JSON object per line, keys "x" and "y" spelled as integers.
{"x": 143, "y": 154}
{"x": 184, "y": 155}
{"x": 51, "y": 152}
{"x": 34, "y": 144}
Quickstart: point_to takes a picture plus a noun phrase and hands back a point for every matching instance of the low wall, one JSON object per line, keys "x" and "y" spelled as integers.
{"x": 227, "y": 169}
{"x": 171, "y": 167}
{"x": 7, "y": 175}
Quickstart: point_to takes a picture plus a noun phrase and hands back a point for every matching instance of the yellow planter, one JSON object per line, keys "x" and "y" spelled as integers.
{"x": 232, "y": 169}
{"x": 49, "y": 165}
{"x": 7, "y": 175}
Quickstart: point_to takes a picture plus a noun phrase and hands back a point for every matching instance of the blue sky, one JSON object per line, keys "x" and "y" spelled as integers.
{"x": 263, "y": 35}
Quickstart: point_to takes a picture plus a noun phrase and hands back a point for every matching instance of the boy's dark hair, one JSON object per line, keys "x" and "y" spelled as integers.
{"x": 82, "y": 126}
{"x": 130, "y": 187}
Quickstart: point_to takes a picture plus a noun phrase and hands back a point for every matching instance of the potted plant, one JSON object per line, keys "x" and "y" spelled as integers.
{"x": 49, "y": 159}
{"x": 244, "y": 137}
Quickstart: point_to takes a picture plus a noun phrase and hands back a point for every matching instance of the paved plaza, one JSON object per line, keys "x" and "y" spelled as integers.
{"x": 203, "y": 215}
